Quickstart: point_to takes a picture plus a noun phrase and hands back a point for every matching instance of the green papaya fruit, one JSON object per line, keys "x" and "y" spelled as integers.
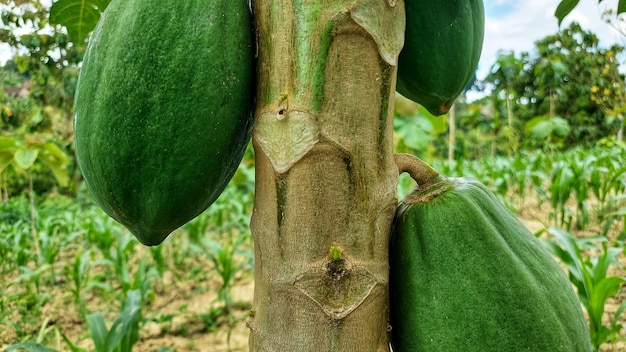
{"x": 467, "y": 275}
{"x": 442, "y": 47}
{"x": 163, "y": 109}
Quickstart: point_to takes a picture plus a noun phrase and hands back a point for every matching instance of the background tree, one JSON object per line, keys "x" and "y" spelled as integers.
{"x": 568, "y": 64}
{"x": 552, "y": 90}
{"x": 503, "y": 75}
{"x": 38, "y": 84}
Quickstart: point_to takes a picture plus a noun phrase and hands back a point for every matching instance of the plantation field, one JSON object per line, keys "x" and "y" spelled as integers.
{"x": 77, "y": 280}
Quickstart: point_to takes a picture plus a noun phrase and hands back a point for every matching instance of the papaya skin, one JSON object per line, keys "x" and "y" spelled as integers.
{"x": 163, "y": 109}
{"x": 466, "y": 275}
{"x": 443, "y": 43}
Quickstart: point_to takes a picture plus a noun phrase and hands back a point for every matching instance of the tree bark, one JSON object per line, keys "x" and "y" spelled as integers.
{"x": 452, "y": 134}
{"x": 509, "y": 114}
{"x": 326, "y": 179}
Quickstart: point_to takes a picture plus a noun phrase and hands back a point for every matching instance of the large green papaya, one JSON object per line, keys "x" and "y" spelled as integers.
{"x": 443, "y": 42}
{"x": 467, "y": 275}
{"x": 163, "y": 109}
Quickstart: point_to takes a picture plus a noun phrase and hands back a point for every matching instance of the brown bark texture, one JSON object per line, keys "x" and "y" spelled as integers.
{"x": 325, "y": 173}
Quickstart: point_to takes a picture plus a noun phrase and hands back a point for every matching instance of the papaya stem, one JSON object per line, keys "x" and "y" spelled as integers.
{"x": 419, "y": 171}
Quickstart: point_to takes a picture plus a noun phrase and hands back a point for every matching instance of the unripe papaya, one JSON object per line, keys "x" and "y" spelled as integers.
{"x": 467, "y": 275}
{"x": 163, "y": 109}
{"x": 442, "y": 46}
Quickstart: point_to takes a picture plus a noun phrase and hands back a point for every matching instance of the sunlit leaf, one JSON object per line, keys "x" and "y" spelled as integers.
{"x": 36, "y": 117}
{"x": 78, "y": 16}
{"x": 56, "y": 152}
{"x": 5, "y": 160}
{"x": 7, "y": 144}
{"x": 57, "y": 166}
{"x": 26, "y": 158}
{"x": 439, "y": 123}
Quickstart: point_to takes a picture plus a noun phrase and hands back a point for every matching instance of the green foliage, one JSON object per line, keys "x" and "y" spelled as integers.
{"x": 38, "y": 85}
{"x": 566, "y": 6}
{"x": 544, "y": 130}
{"x": 50, "y": 57}
{"x": 30, "y": 347}
{"x": 590, "y": 276}
{"x": 78, "y": 16}
{"x": 560, "y": 179}
{"x": 85, "y": 258}
{"x": 558, "y": 84}
{"x": 415, "y": 129}
{"x": 124, "y": 332}
{"x": 121, "y": 337}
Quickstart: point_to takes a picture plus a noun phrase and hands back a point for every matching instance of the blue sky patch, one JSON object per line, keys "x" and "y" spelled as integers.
{"x": 499, "y": 8}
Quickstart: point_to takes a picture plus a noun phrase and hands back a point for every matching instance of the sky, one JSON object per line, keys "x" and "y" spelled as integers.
{"x": 513, "y": 25}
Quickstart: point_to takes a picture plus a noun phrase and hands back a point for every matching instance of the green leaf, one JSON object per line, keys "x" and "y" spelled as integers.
{"x": 78, "y": 16}
{"x": 26, "y": 158}
{"x": 618, "y": 313}
{"x": 57, "y": 161}
{"x": 5, "y": 160}
{"x": 56, "y": 152}
{"x": 30, "y": 347}
{"x": 99, "y": 333}
{"x": 605, "y": 289}
{"x": 541, "y": 130}
{"x": 559, "y": 126}
{"x": 7, "y": 144}
{"x": 564, "y": 8}
{"x": 439, "y": 123}
{"x": 73, "y": 348}
{"x": 621, "y": 6}
{"x": 131, "y": 316}
{"x": 36, "y": 117}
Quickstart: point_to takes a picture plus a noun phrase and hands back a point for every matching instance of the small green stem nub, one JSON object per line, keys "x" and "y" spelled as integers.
{"x": 336, "y": 253}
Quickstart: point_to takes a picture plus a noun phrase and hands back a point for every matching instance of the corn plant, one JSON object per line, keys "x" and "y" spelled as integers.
{"x": 36, "y": 345}
{"x": 615, "y": 213}
{"x": 589, "y": 276}
{"x": 229, "y": 260}
{"x": 120, "y": 337}
{"x": 124, "y": 331}
{"x": 560, "y": 189}
{"x": 100, "y": 230}
{"x": 80, "y": 273}
{"x": 19, "y": 242}
{"x": 610, "y": 177}
{"x": 30, "y": 279}
{"x": 129, "y": 280}
{"x": 157, "y": 253}
{"x": 29, "y": 347}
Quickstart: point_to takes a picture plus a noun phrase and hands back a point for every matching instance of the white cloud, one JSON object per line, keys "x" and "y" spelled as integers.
{"x": 533, "y": 20}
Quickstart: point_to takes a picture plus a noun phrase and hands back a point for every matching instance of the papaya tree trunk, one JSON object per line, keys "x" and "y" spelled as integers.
{"x": 509, "y": 115}
{"x": 325, "y": 173}
{"x": 452, "y": 136}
